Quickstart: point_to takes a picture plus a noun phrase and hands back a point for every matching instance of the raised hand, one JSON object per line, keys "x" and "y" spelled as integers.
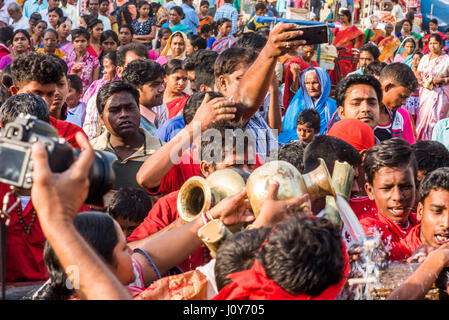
{"x": 215, "y": 110}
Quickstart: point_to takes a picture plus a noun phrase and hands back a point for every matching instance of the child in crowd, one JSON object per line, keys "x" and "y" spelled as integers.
{"x": 75, "y": 108}
{"x": 308, "y": 125}
{"x": 129, "y": 207}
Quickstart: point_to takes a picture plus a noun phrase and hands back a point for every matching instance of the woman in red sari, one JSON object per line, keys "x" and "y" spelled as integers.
{"x": 175, "y": 84}
{"x": 350, "y": 37}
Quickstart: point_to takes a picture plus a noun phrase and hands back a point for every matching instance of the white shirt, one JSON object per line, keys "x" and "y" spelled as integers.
{"x": 23, "y": 23}
{"x": 106, "y": 22}
{"x": 397, "y": 13}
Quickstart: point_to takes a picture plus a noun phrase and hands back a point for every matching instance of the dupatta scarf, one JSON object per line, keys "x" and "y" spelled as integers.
{"x": 387, "y": 48}
{"x": 325, "y": 106}
{"x": 408, "y": 60}
{"x": 167, "y": 50}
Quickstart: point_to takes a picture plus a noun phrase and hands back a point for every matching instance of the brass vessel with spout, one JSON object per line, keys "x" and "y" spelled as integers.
{"x": 317, "y": 183}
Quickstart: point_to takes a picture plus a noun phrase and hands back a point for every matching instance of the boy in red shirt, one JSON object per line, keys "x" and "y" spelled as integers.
{"x": 391, "y": 170}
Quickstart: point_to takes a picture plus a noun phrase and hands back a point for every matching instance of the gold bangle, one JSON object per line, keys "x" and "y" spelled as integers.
{"x": 251, "y": 226}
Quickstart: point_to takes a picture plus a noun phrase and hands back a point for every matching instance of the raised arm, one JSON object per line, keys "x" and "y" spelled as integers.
{"x": 254, "y": 85}
{"x": 160, "y": 162}
{"x": 56, "y": 206}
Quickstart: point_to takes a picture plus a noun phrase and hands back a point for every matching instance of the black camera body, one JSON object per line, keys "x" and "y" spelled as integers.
{"x": 16, "y": 166}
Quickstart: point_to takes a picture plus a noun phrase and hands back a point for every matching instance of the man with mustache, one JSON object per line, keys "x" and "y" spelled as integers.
{"x": 391, "y": 172}
{"x": 118, "y": 107}
{"x": 358, "y": 97}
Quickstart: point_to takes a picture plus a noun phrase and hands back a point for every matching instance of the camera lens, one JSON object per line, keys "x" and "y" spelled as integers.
{"x": 101, "y": 177}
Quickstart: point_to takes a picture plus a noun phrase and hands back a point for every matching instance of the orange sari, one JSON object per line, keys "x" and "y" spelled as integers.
{"x": 388, "y": 47}
{"x": 346, "y": 38}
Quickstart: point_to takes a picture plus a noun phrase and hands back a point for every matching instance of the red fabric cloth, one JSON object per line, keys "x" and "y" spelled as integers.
{"x": 412, "y": 241}
{"x": 253, "y": 284}
{"x": 67, "y": 130}
{"x": 92, "y": 51}
{"x": 161, "y": 215}
{"x": 355, "y": 132}
{"x": 288, "y": 95}
{"x": 176, "y": 106}
{"x": 362, "y": 206}
{"x": 25, "y": 253}
{"x": 391, "y": 233}
{"x": 3, "y": 51}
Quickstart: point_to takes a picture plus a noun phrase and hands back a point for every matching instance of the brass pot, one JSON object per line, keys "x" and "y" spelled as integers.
{"x": 317, "y": 183}
{"x": 198, "y": 194}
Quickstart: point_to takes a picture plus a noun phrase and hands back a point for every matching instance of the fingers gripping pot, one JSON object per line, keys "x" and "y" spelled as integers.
{"x": 198, "y": 194}
{"x": 316, "y": 183}
{"x": 16, "y": 167}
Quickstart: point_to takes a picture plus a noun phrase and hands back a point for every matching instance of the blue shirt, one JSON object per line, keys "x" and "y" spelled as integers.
{"x": 170, "y": 5}
{"x": 441, "y": 132}
{"x": 228, "y": 11}
{"x": 191, "y": 19}
{"x": 32, "y": 6}
{"x": 170, "y": 128}
{"x": 265, "y": 141}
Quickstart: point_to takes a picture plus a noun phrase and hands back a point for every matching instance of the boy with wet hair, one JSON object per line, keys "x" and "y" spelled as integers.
{"x": 293, "y": 153}
{"x": 302, "y": 258}
{"x": 308, "y": 125}
{"x": 129, "y": 206}
{"x": 391, "y": 170}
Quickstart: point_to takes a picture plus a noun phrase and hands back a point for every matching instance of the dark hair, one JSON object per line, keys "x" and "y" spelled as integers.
{"x": 430, "y": 155}
{"x": 111, "y": 88}
{"x": 346, "y": 13}
{"x": 204, "y": 74}
{"x": 80, "y": 32}
{"x": 61, "y": 62}
{"x": 75, "y": 83}
{"x": 199, "y": 57}
{"x": 99, "y": 230}
{"x": 447, "y": 30}
{"x": 51, "y": 31}
{"x": 410, "y": 40}
{"x": 160, "y": 34}
{"x": 129, "y": 27}
{"x": 109, "y": 34}
{"x": 141, "y": 71}
{"x": 22, "y": 31}
{"x": 93, "y": 23}
{"x": 390, "y": 153}
{"x": 293, "y": 152}
{"x": 6, "y": 83}
{"x": 6, "y": 34}
{"x": 232, "y": 138}
{"x": 42, "y": 21}
{"x": 179, "y": 11}
{"x": 437, "y": 179}
{"x": 26, "y": 103}
{"x": 410, "y": 15}
{"x": 375, "y": 68}
{"x": 88, "y": 18}
{"x": 173, "y": 65}
{"x": 36, "y": 16}
{"x": 141, "y": 4}
{"x": 310, "y": 117}
{"x": 130, "y": 203}
{"x": 222, "y": 21}
{"x": 194, "y": 102}
{"x": 304, "y": 255}
{"x": 228, "y": 61}
{"x": 400, "y": 74}
{"x": 419, "y": 53}
{"x": 330, "y": 149}
{"x": 111, "y": 56}
{"x": 35, "y": 66}
{"x": 206, "y": 28}
{"x": 198, "y": 41}
{"x": 349, "y": 81}
{"x": 101, "y": 1}
{"x": 251, "y": 40}
{"x": 61, "y": 20}
{"x": 434, "y": 21}
{"x": 260, "y": 6}
{"x": 138, "y": 48}
{"x": 372, "y": 49}
{"x": 407, "y": 20}
{"x": 204, "y": 2}
{"x": 237, "y": 253}
{"x": 57, "y": 10}
{"x": 438, "y": 38}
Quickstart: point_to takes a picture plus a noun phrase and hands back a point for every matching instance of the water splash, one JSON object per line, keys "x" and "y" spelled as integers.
{"x": 350, "y": 219}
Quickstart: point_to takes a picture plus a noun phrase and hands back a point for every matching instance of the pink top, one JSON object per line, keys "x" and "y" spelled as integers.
{"x": 152, "y": 55}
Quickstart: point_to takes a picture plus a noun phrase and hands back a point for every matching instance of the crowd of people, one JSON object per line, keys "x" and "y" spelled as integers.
{"x": 182, "y": 90}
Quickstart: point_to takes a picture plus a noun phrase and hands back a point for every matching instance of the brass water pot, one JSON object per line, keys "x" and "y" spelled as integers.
{"x": 317, "y": 183}
{"x": 198, "y": 194}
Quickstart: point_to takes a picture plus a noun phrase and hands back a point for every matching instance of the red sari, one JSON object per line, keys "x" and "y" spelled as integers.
{"x": 176, "y": 106}
{"x": 346, "y": 38}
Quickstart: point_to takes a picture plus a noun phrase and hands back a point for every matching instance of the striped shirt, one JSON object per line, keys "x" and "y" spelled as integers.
{"x": 228, "y": 11}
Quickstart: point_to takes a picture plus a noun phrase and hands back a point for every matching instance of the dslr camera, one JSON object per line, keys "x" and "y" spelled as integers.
{"x": 16, "y": 166}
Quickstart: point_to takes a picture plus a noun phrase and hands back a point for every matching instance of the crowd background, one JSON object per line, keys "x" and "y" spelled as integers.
{"x": 134, "y": 77}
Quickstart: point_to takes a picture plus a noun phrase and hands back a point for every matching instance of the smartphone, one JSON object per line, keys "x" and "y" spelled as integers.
{"x": 313, "y": 34}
